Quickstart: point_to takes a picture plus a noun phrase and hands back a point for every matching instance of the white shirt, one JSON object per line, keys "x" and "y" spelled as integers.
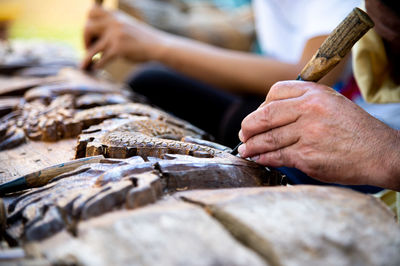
{"x": 284, "y": 26}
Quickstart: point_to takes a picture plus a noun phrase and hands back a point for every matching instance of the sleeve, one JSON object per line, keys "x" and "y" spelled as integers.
{"x": 321, "y": 17}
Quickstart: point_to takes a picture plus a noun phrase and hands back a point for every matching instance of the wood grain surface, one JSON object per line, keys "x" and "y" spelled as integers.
{"x": 33, "y": 156}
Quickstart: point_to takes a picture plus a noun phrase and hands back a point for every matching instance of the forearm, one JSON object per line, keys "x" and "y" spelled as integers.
{"x": 230, "y": 70}
{"x": 119, "y": 35}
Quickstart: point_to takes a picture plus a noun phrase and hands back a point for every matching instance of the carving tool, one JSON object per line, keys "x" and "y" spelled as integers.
{"x": 336, "y": 46}
{"x": 42, "y": 177}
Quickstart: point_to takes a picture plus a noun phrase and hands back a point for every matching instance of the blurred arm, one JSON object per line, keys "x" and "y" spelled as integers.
{"x": 123, "y": 36}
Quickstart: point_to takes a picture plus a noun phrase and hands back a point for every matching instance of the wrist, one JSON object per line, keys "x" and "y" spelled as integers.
{"x": 163, "y": 48}
{"x": 387, "y": 168}
{"x": 393, "y": 167}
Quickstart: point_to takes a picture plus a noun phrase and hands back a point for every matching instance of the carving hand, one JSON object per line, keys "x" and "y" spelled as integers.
{"x": 319, "y": 131}
{"x": 119, "y": 35}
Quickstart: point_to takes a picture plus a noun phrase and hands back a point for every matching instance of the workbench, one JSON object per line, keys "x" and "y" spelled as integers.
{"x": 182, "y": 209}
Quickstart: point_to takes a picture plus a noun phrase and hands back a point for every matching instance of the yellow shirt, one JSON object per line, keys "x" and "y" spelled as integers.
{"x": 370, "y": 68}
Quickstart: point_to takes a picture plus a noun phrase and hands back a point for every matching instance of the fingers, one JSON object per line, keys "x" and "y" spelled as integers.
{"x": 93, "y": 30}
{"x": 278, "y": 158}
{"x": 269, "y": 141}
{"x": 96, "y": 24}
{"x": 105, "y": 58}
{"x": 99, "y": 46}
{"x": 272, "y": 115}
{"x": 286, "y": 90}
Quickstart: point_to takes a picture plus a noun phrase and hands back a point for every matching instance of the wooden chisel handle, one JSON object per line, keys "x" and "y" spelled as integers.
{"x": 42, "y": 177}
{"x": 337, "y": 45}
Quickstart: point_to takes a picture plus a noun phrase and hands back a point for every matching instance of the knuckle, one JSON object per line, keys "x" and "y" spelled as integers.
{"x": 251, "y": 143}
{"x": 278, "y": 156}
{"x": 266, "y": 114}
{"x": 274, "y": 88}
{"x": 315, "y": 131}
{"x": 315, "y": 103}
{"x": 271, "y": 139}
{"x": 279, "y": 85}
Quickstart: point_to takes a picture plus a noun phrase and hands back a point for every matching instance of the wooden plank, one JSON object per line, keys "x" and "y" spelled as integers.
{"x": 307, "y": 225}
{"x": 33, "y": 156}
{"x": 169, "y": 233}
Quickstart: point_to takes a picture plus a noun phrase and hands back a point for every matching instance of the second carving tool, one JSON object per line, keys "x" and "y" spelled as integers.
{"x": 44, "y": 176}
{"x": 334, "y": 48}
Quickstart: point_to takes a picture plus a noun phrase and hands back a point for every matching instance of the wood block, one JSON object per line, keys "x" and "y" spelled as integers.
{"x": 187, "y": 173}
{"x": 169, "y": 233}
{"x": 307, "y": 225}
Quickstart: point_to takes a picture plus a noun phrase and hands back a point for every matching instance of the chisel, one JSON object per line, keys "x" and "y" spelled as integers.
{"x": 42, "y": 177}
{"x": 336, "y": 46}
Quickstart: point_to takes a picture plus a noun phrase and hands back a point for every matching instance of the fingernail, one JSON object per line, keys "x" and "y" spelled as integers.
{"x": 240, "y": 135}
{"x": 255, "y": 158}
{"x": 242, "y": 149}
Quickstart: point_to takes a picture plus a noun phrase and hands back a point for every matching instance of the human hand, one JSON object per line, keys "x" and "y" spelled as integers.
{"x": 119, "y": 35}
{"x": 315, "y": 129}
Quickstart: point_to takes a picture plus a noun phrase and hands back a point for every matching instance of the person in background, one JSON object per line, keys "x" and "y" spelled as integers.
{"x": 216, "y": 88}
{"x": 313, "y": 128}
{"x": 9, "y": 11}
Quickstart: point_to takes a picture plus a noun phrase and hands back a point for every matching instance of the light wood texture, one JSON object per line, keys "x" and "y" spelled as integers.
{"x": 306, "y": 225}
{"x": 337, "y": 45}
{"x": 33, "y": 156}
{"x": 169, "y": 233}
{"x": 299, "y": 225}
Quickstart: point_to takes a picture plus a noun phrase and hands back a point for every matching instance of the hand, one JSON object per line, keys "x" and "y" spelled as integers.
{"x": 118, "y": 35}
{"x": 317, "y": 130}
